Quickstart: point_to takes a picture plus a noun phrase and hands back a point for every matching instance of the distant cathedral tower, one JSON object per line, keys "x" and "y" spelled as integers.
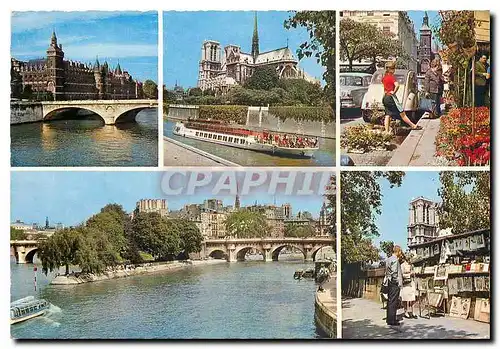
{"x": 255, "y": 40}
{"x": 424, "y": 48}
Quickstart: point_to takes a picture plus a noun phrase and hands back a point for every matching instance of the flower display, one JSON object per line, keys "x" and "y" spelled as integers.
{"x": 456, "y": 142}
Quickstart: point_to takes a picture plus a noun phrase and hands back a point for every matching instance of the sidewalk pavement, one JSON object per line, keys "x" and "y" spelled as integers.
{"x": 419, "y": 148}
{"x": 363, "y": 319}
{"x": 329, "y": 297}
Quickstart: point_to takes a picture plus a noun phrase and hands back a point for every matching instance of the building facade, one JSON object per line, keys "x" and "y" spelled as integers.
{"x": 54, "y": 78}
{"x": 425, "y": 54}
{"x": 423, "y": 224}
{"x": 152, "y": 205}
{"x": 220, "y": 69}
{"x": 395, "y": 22}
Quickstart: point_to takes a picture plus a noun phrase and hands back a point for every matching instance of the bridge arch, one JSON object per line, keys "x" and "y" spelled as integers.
{"x": 241, "y": 252}
{"x": 58, "y": 113}
{"x": 30, "y": 256}
{"x": 276, "y": 251}
{"x": 130, "y": 115}
{"x": 218, "y": 254}
{"x": 326, "y": 249}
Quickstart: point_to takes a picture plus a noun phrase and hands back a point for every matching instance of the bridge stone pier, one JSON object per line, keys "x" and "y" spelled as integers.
{"x": 24, "y": 250}
{"x": 235, "y": 249}
{"x": 111, "y": 111}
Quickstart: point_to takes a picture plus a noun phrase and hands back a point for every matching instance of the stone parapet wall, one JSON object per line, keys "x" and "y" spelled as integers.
{"x": 22, "y": 112}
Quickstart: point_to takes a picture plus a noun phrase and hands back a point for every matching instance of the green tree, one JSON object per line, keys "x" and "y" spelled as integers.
{"x": 300, "y": 91}
{"x": 150, "y": 89}
{"x": 387, "y": 247}
{"x": 246, "y": 224}
{"x": 169, "y": 97}
{"x": 155, "y": 235}
{"x": 59, "y": 250}
{"x": 321, "y": 27}
{"x": 457, "y": 32}
{"x": 263, "y": 78}
{"x": 359, "y": 41}
{"x": 93, "y": 251}
{"x": 108, "y": 230}
{"x": 361, "y": 202}
{"x": 465, "y": 200}
{"x": 299, "y": 231}
{"x": 195, "y": 91}
{"x": 190, "y": 236}
{"x": 17, "y": 234}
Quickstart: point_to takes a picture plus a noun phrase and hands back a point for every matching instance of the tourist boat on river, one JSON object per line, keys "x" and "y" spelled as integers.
{"x": 263, "y": 141}
{"x": 27, "y": 308}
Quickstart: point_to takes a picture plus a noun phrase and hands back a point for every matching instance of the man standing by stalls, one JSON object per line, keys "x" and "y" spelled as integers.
{"x": 434, "y": 83}
{"x": 394, "y": 281}
{"x": 480, "y": 79}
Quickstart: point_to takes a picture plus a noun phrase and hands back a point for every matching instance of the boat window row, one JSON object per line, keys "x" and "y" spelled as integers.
{"x": 229, "y": 139}
{"x": 20, "y": 311}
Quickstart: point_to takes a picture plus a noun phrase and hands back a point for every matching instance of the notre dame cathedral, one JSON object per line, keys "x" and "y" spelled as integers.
{"x": 58, "y": 79}
{"x": 220, "y": 72}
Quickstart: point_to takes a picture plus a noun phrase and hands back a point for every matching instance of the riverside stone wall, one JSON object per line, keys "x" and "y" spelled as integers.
{"x": 23, "y": 112}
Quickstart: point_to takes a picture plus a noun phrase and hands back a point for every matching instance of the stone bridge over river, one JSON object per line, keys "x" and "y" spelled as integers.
{"x": 111, "y": 111}
{"x": 231, "y": 249}
{"x": 235, "y": 249}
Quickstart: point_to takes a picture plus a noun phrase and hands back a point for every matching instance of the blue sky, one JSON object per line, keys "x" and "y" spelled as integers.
{"x": 72, "y": 197}
{"x": 130, "y": 37}
{"x": 184, "y": 33}
{"x": 418, "y": 16}
{"x": 395, "y": 204}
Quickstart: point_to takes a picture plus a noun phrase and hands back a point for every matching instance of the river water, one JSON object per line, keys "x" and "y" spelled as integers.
{"x": 251, "y": 299}
{"x": 86, "y": 141}
{"x": 325, "y": 156}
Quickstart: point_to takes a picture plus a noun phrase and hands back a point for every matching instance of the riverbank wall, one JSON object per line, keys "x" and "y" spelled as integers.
{"x": 76, "y": 278}
{"x": 325, "y": 310}
{"x": 259, "y": 118}
{"x": 22, "y": 112}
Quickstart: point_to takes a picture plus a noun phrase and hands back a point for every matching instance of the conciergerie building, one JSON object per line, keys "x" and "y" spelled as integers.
{"x": 59, "y": 79}
{"x": 220, "y": 71}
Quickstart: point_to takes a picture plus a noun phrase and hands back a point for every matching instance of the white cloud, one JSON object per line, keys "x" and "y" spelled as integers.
{"x": 90, "y": 51}
{"x": 67, "y": 40}
{"x": 24, "y": 21}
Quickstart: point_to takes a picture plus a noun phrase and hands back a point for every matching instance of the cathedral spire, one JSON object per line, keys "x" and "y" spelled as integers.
{"x": 53, "y": 39}
{"x": 255, "y": 39}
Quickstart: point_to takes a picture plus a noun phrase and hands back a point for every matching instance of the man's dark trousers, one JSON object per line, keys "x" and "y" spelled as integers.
{"x": 392, "y": 302}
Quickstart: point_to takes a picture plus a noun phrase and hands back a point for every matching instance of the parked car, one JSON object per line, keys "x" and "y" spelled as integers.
{"x": 407, "y": 94}
{"x": 353, "y": 87}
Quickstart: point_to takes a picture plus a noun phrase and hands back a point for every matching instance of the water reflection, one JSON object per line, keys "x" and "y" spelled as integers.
{"x": 87, "y": 142}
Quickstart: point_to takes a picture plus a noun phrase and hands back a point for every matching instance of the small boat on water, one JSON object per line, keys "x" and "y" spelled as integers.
{"x": 262, "y": 141}
{"x": 27, "y": 308}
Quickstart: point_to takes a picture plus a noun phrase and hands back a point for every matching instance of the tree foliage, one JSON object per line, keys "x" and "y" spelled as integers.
{"x": 17, "y": 234}
{"x": 361, "y": 202}
{"x": 263, "y": 78}
{"x": 387, "y": 247}
{"x": 359, "y": 41}
{"x": 456, "y": 32}
{"x": 59, "y": 250}
{"x": 246, "y": 224}
{"x": 109, "y": 238}
{"x": 465, "y": 200}
{"x": 321, "y": 44}
{"x": 299, "y": 231}
{"x": 155, "y": 235}
{"x": 150, "y": 89}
